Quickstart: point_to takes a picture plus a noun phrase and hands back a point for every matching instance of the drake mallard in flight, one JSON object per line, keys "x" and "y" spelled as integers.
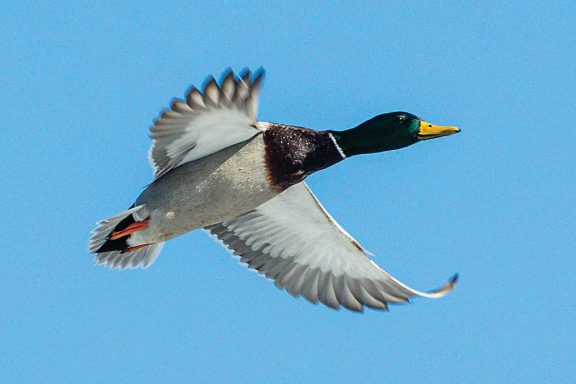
{"x": 216, "y": 167}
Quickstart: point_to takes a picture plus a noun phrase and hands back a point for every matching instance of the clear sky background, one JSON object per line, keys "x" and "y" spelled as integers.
{"x": 80, "y": 84}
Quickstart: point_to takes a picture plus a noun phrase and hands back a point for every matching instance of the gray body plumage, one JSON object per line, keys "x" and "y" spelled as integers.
{"x": 207, "y": 191}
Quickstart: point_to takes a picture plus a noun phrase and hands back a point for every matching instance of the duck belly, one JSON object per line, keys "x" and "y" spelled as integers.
{"x": 206, "y": 191}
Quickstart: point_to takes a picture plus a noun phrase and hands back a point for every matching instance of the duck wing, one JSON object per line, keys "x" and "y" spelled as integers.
{"x": 208, "y": 121}
{"x": 292, "y": 240}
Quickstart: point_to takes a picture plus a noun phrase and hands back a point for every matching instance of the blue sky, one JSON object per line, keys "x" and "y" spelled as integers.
{"x": 81, "y": 83}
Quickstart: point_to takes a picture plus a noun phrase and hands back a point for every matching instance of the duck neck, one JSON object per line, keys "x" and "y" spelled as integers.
{"x": 354, "y": 142}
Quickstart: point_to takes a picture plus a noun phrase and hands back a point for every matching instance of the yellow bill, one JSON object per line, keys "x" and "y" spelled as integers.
{"x": 429, "y": 131}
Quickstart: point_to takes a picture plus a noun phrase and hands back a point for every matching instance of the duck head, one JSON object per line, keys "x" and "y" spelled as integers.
{"x": 388, "y": 132}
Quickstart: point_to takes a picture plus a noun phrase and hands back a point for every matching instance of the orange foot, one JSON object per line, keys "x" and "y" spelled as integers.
{"x": 134, "y": 227}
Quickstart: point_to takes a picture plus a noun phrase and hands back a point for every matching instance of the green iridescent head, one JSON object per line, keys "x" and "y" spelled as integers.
{"x": 388, "y": 132}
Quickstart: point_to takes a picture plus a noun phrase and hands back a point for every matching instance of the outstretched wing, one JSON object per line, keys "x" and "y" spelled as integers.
{"x": 292, "y": 240}
{"x": 208, "y": 121}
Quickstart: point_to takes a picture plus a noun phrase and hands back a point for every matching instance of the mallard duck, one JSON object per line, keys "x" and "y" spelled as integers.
{"x": 216, "y": 167}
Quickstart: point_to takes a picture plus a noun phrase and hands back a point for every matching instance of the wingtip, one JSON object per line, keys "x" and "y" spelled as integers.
{"x": 227, "y": 72}
{"x": 244, "y": 74}
{"x": 448, "y": 287}
{"x": 210, "y": 81}
{"x": 454, "y": 279}
{"x": 259, "y": 74}
{"x": 252, "y": 76}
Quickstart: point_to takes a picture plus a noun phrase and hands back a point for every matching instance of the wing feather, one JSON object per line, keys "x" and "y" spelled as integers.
{"x": 292, "y": 240}
{"x": 207, "y": 122}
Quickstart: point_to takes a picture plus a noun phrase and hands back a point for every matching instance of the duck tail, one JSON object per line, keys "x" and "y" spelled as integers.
{"x": 109, "y": 241}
